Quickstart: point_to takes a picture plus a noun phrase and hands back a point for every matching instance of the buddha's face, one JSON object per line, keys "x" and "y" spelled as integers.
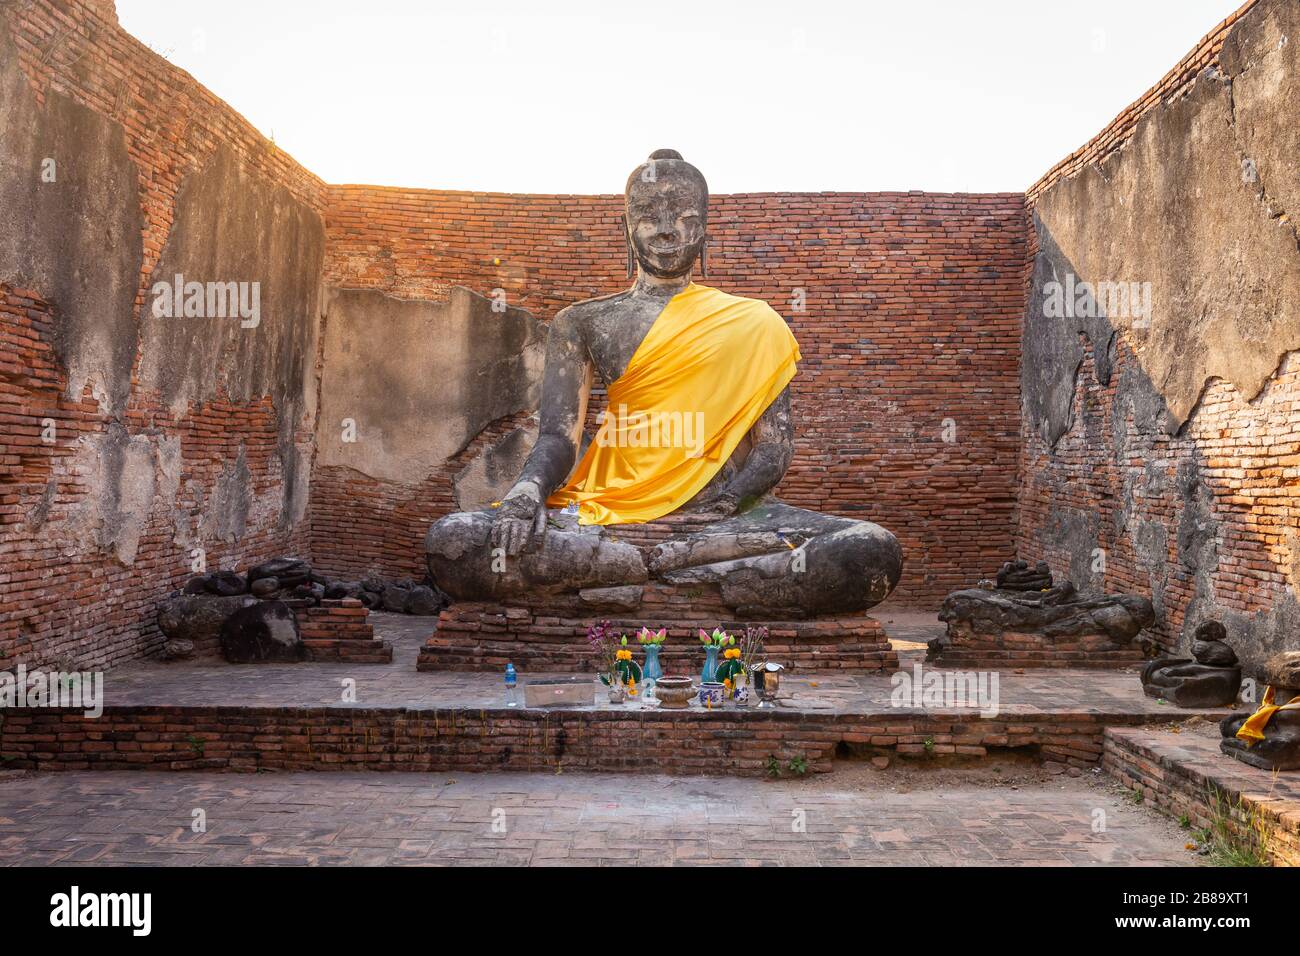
{"x": 666, "y": 220}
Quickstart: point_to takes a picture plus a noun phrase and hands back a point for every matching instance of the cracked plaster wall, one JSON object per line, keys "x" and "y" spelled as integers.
{"x": 1160, "y": 451}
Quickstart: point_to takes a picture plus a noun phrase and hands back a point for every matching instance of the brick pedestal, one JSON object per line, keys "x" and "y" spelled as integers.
{"x": 340, "y": 631}
{"x": 485, "y": 637}
{"x": 974, "y": 650}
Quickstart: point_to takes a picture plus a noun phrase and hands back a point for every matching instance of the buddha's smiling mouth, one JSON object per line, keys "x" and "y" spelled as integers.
{"x": 666, "y": 250}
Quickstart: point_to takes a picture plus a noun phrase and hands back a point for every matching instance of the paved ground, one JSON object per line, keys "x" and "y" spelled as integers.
{"x": 372, "y": 819}
{"x": 216, "y": 683}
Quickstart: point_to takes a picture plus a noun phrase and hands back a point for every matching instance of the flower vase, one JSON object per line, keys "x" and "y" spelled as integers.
{"x": 710, "y": 672}
{"x": 651, "y": 671}
{"x": 740, "y": 689}
{"x": 617, "y": 692}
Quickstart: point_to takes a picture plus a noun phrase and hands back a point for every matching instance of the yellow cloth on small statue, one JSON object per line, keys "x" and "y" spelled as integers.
{"x": 1252, "y": 731}
{"x": 710, "y": 365}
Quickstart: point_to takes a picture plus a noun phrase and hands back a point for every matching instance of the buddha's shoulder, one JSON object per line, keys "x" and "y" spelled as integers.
{"x": 588, "y": 309}
{"x": 753, "y": 305}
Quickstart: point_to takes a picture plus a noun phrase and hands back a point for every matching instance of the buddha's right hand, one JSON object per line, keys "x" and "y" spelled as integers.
{"x": 520, "y": 522}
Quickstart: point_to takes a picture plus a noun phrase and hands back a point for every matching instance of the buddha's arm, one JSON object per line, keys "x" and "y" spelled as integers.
{"x": 769, "y": 455}
{"x": 566, "y": 385}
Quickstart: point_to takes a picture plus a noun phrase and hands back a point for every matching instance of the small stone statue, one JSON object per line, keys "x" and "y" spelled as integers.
{"x": 1211, "y": 677}
{"x": 1270, "y": 737}
{"x": 1019, "y": 576}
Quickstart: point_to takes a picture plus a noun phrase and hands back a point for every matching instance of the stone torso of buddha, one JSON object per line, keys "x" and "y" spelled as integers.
{"x": 712, "y": 358}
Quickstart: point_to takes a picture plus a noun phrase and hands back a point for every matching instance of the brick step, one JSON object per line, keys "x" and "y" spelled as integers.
{"x": 979, "y": 658}
{"x": 352, "y": 652}
{"x": 1185, "y": 774}
{"x": 480, "y": 736}
{"x": 339, "y": 631}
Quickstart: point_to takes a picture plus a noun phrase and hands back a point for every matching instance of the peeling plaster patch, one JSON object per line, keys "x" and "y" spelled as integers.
{"x": 421, "y": 379}
{"x": 226, "y": 517}
{"x": 1171, "y": 208}
{"x": 233, "y": 225}
{"x": 124, "y": 468}
{"x": 76, "y": 240}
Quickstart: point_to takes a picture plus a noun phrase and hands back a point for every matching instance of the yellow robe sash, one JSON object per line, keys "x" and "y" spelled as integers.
{"x": 710, "y": 365}
{"x": 1252, "y": 731}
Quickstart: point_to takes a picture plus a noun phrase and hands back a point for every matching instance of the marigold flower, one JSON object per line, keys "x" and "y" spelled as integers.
{"x": 731, "y": 653}
{"x": 624, "y": 654}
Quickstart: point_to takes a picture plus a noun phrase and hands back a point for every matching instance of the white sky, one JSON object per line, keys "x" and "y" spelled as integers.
{"x": 567, "y": 96}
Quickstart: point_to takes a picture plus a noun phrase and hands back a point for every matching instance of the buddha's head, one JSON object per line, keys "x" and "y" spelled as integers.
{"x": 667, "y": 208}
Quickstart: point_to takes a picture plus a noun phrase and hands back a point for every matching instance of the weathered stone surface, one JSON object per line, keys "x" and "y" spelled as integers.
{"x": 1223, "y": 266}
{"x": 490, "y": 475}
{"x": 1019, "y": 576}
{"x": 1209, "y": 645}
{"x": 424, "y": 601}
{"x": 569, "y": 559}
{"x": 1280, "y": 748}
{"x": 198, "y": 617}
{"x": 288, "y": 572}
{"x": 1211, "y": 678}
{"x": 775, "y": 560}
{"x": 178, "y": 649}
{"x": 1283, "y": 671}
{"x": 226, "y": 583}
{"x": 336, "y": 590}
{"x": 265, "y": 631}
{"x": 446, "y": 371}
{"x": 265, "y": 587}
{"x": 395, "y": 598}
{"x": 1119, "y": 617}
{"x": 626, "y": 598}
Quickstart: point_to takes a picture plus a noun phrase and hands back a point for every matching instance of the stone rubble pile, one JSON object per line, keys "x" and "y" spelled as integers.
{"x": 292, "y": 579}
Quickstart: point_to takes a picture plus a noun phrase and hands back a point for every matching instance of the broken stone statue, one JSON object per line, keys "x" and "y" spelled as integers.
{"x": 698, "y": 423}
{"x": 1211, "y": 677}
{"x": 1270, "y": 737}
{"x": 1025, "y": 604}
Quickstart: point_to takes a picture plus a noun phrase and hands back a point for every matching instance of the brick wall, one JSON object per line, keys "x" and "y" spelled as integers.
{"x": 64, "y": 595}
{"x": 740, "y": 742}
{"x": 912, "y": 317}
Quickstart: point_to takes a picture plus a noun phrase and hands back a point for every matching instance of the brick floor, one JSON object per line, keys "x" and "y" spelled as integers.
{"x": 363, "y": 819}
{"x": 215, "y": 683}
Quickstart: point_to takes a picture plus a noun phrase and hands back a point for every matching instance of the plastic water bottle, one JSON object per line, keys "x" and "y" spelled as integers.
{"x": 512, "y": 679}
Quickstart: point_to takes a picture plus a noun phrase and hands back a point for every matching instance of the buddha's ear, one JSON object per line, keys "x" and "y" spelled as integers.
{"x": 704, "y": 266}
{"x": 627, "y": 241}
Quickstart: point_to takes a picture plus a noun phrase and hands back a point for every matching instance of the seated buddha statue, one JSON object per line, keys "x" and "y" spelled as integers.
{"x": 698, "y": 423}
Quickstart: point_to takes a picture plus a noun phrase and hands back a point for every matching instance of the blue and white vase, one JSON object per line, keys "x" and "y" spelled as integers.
{"x": 740, "y": 689}
{"x": 712, "y": 694}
